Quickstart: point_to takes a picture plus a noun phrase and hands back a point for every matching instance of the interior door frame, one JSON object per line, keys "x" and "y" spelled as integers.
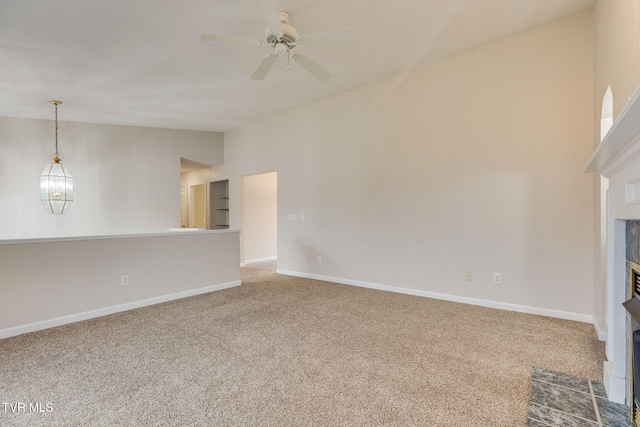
{"x": 191, "y": 206}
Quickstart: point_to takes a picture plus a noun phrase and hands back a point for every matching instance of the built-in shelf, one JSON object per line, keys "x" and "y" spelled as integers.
{"x": 219, "y": 197}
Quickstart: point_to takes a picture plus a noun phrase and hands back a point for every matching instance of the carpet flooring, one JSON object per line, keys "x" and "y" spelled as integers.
{"x": 285, "y": 351}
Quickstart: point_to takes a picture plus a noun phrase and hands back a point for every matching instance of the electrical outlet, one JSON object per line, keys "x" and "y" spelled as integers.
{"x": 124, "y": 280}
{"x": 497, "y": 278}
{"x": 319, "y": 259}
{"x": 301, "y": 217}
{"x": 293, "y": 217}
{"x": 468, "y": 276}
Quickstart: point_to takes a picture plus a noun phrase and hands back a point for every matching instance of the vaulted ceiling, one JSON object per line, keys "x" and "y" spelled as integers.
{"x": 142, "y": 62}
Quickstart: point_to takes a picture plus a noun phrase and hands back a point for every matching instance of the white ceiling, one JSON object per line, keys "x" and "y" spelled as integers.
{"x": 141, "y": 62}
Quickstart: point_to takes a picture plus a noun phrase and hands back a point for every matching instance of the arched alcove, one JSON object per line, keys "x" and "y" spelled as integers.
{"x": 606, "y": 118}
{"x": 606, "y": 121}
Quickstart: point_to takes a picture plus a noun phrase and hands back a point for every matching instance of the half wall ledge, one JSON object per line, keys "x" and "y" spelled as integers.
{"x": 54, "y": 281}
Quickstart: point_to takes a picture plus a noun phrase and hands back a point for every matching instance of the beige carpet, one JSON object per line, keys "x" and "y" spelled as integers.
{"x": 284, "y": 351}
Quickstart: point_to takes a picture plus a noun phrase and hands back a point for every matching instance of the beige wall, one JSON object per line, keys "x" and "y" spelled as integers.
{"x": 617, "y": 64}
{"x": 127, "y": 179}
{"x": 260, "y": 222}
{"x": 617, "y": 52}
{"x": 472, "y": 163}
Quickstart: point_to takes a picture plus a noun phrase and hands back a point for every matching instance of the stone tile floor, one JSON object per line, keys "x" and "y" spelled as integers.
{"x": 563, "y": 400}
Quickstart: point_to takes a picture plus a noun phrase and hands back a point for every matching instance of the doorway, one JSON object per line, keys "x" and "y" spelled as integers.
{"x": 260, "y": 218}
{"x": 197, "y": 207}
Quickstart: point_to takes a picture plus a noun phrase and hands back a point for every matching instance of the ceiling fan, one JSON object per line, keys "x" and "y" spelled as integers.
{"x": 283, "y": 38}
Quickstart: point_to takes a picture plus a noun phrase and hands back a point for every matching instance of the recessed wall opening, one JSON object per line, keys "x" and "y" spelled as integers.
{"x": 219, "y": 204}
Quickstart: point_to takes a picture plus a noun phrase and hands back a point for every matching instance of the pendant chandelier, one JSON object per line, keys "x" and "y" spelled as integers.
{"x": 56, "y": 183}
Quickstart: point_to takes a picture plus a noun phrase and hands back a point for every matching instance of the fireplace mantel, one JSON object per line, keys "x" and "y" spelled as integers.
{"x": 621, "y": 145}
{"x": 618, "y": 159}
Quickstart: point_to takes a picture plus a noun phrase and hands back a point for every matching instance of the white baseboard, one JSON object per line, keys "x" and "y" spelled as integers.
{"x": 616, "y": 386}
{"x": 600, "y": 332}
{"x": 586, "y": 318}
{"x": 253, "y": 261}
{"x": 78, "y": 317}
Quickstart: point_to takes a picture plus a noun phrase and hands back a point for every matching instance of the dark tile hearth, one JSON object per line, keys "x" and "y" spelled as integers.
{"x": 563, "y": 400}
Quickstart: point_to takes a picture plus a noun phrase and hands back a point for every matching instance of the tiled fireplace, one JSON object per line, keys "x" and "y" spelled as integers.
{"x": 632, "y": 306}
{"x": 618, "y": 159}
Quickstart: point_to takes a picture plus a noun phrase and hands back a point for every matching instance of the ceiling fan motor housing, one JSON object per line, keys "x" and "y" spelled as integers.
{"x": 289, "y": 35}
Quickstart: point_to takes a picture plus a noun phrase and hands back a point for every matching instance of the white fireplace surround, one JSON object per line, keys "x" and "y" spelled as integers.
{"x": 618, "y": 159}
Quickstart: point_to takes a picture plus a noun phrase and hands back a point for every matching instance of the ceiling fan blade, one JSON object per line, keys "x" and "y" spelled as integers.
{"x": 230, "y": 39}
{"x": 271, "y": 16}
{"x": 309, "y": 65}
{"x": 326, "y": 37}
{"x": 264, "y": 67}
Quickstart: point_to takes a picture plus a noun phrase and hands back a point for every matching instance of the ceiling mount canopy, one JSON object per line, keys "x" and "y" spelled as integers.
{"x": 56, "y": 183}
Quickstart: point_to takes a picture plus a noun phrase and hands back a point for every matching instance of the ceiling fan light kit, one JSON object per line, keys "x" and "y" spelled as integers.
{"x": 283, "y": 39}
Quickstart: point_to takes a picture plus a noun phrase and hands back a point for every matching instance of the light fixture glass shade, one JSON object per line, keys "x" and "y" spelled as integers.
{"x": 56, "y": 188}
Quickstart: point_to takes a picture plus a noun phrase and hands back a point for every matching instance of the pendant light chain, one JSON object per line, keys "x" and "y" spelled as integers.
{"x": 56, "y": 104}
